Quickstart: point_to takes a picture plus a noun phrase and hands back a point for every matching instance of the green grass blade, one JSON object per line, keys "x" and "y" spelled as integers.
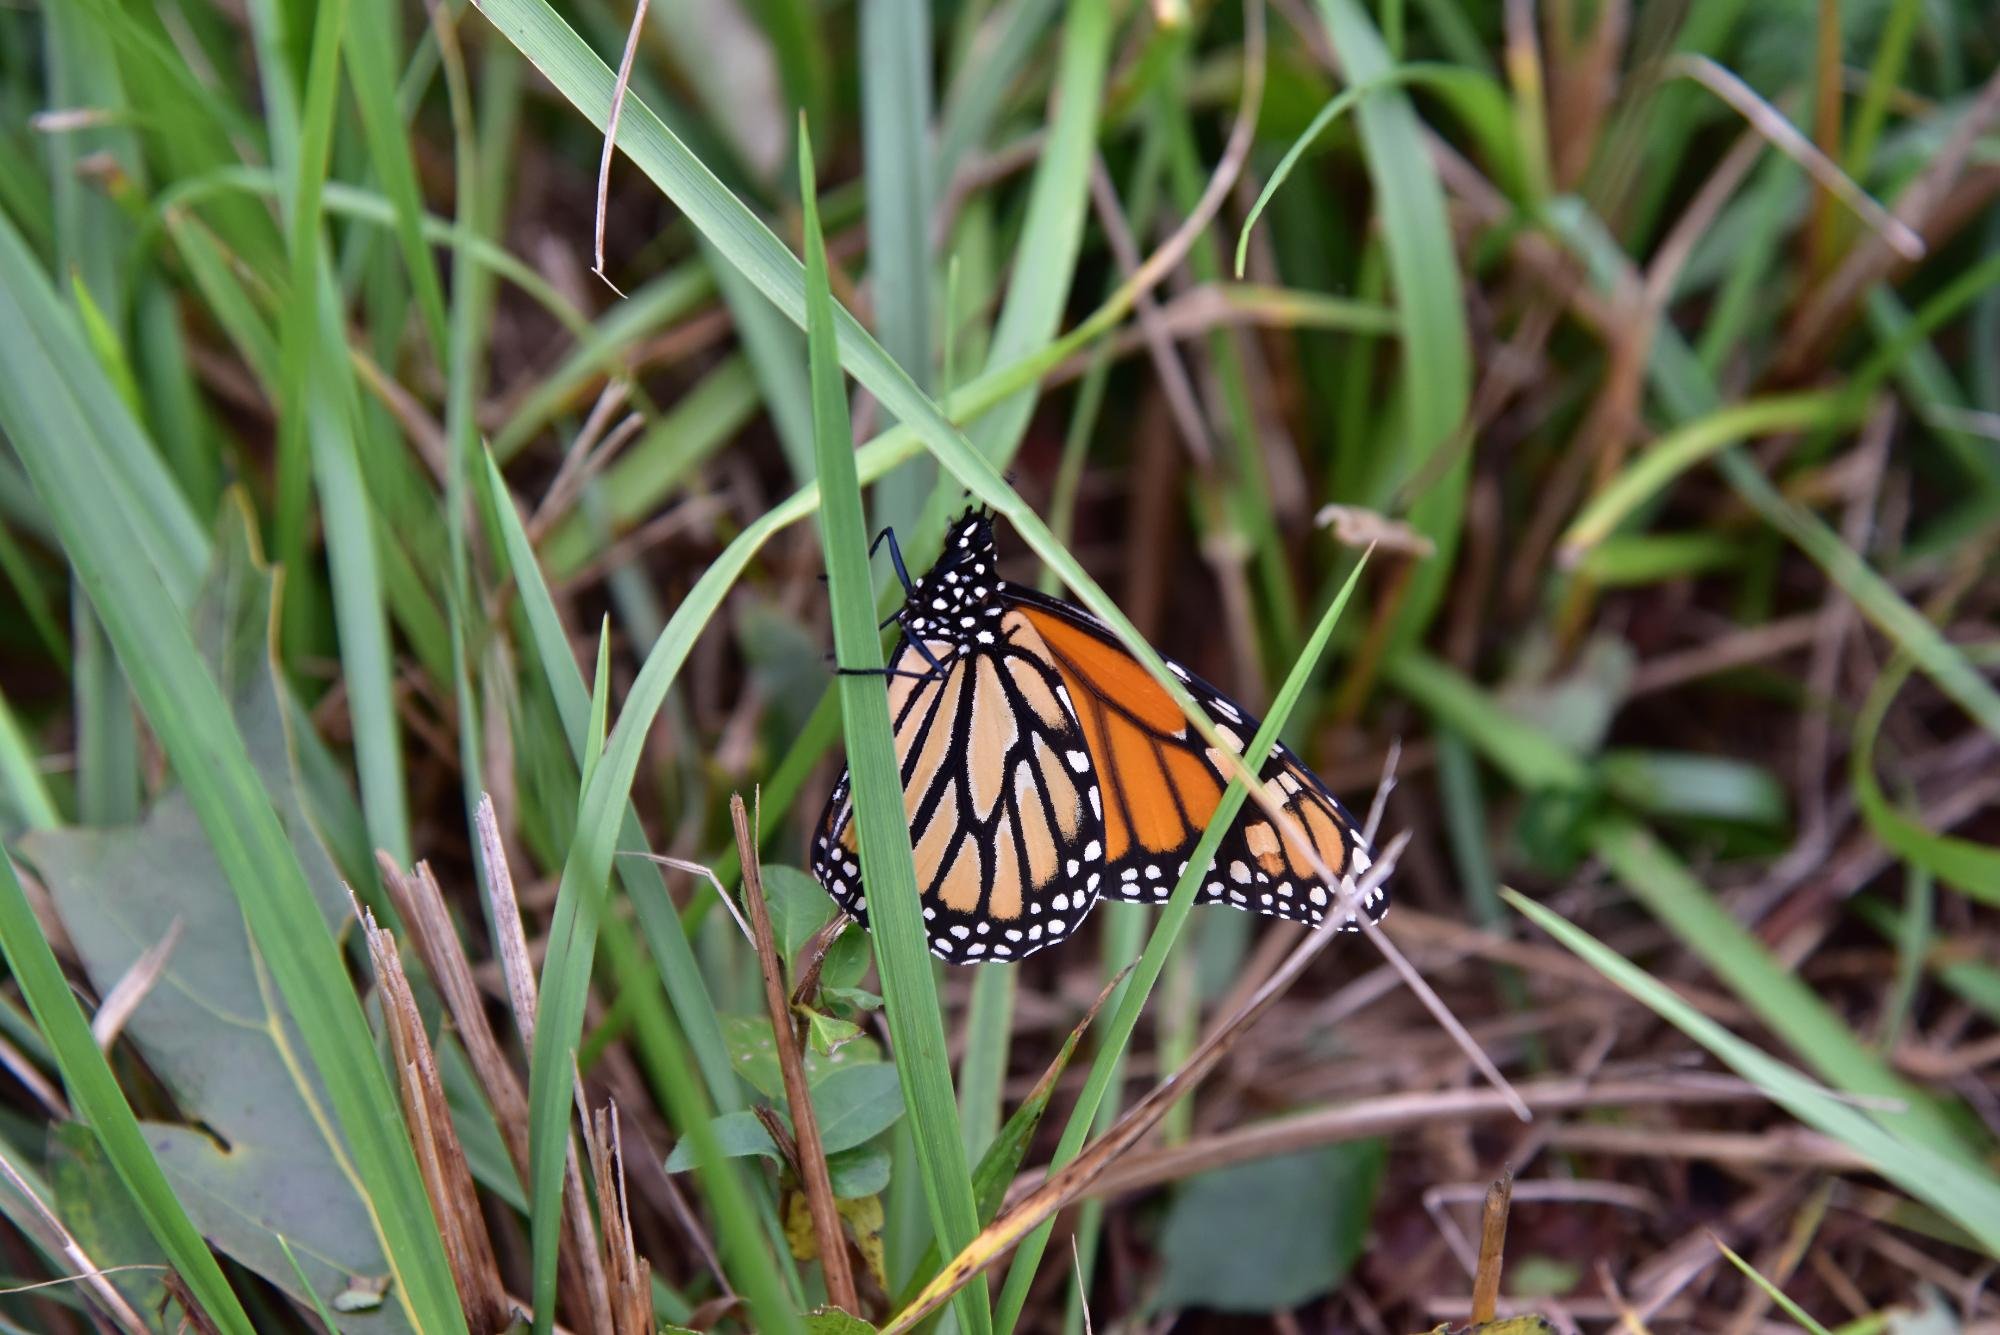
{"x": 982, "y": 1071}
{"x": 41, "y": 408}
{"x": 1937, "y": 657}
{"x": 1972, "y": 1198}
{"x": 902, "y": 951}
{"x": 94, "y": 1091}
{"x": 372, "y": 70}
{"x": 1778, "y": 996}
{"x": 1173, "y": 917}
{"x": 1423, "y": 268}
{"x": 1687, "y": 445}
{"x": 1052, "y": 232}
{"x": 693, "y": 1006}
{"x": 896, "y": 162}
{"x": 1970, "y": 866}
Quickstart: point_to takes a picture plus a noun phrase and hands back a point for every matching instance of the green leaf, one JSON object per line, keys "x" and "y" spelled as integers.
{"x": 1684, "y": 785}
{"x": 799, "y": 907}
{"x": 755, "y": 1058}
{"x": 860, "y": 1171}
{"x": 856, "y": 1104}
{"x": 211, "y": 1028}
{"x": 833, "y": 1321}
{"x": 828, "y": 1034}
{"x": 738, "y": 1135}
{"x": 1270, "y": 1234}
{"x": 92, "y": 1203}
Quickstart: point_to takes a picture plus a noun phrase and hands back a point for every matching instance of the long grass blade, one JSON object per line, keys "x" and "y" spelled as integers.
{"x": 902, "y": 952}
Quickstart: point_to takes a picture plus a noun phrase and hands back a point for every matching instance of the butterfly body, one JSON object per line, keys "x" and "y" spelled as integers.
{"x": 1043, "y": 768}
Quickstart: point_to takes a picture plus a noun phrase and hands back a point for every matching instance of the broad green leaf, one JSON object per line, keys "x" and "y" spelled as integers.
{"x": 1271, "y": 1234}
{"x": 212, "y": 1027}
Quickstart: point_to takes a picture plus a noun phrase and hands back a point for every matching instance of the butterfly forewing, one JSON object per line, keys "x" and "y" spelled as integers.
{"x": 1161, "y": 782}
{"x": 999, "y": 793}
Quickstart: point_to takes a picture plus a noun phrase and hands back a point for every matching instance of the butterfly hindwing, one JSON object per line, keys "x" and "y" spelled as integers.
{"x": 1161, "y": 782}
{"x": 998, "y": 789}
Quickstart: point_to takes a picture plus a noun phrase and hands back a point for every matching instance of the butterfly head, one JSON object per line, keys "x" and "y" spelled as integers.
{"x": 958, "y": 598}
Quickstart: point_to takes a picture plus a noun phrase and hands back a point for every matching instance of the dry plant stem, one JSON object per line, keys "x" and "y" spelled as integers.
{"x": 813, "y": 1176}
{"x": 31, "y": 1077}
{"x": 1892, "y": 230}
{"x": 630, "y": 1275}
{"x": 420, "y": 902}
{"x": 511, "y": 940}
{"x": 707, "y": 873}
{"x": 611, "y": 140}
{"x": 1174, "y": 382}
{"x": 1492, "y": 1241}
{"x": 440, "y": 1158}
{"x": 1875, "y": 255}
{"x": 1396, "y": 1112}
{"x": 56, "y": 1238}
{"x": 570, "y": 475}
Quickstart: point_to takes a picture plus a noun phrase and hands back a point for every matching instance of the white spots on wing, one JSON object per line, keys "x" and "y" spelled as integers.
{"x": 1239, "y": 872}
{"x": 1093, "y": 851}
{"x": 1079, "y": 760}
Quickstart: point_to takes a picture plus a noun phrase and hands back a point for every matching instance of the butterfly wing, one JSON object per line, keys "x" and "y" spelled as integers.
{"x": 1003, "y": 806}
{"x": 1161, "y": 782}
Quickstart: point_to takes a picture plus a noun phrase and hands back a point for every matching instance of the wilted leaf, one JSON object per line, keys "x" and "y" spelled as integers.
{"x": 864, "y": 1221}
{"x": 1270, "y": 1234}
{"x": 212, "y": 1027}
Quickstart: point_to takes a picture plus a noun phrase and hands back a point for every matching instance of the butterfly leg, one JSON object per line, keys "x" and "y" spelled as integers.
{"x": 934, "y": 672}
{"x": 888, "y": 535}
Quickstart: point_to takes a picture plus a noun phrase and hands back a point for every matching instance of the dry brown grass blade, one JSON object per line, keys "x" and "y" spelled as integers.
{"x": 611, "y": 141}
{"x": 814, "y": 1179}
{"x": 1492, "y": 1242}
{"x": 1391, "y": 1113}
{"x": 1823, "y": 312}
{"x": 440, "y": 1158}
{"x": 630, "y": 1275}
{"x": 420, "y": 902}
{"x": 126, "y": 994}
{"x": 1076, "y": 1177}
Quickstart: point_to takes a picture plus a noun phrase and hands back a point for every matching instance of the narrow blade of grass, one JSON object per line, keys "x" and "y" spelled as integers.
{"x": 902, "y": 952}
{"x": 1971, "y": 1198}
{"x": 1778, "y": 996}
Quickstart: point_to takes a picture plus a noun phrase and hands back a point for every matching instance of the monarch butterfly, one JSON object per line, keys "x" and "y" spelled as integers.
{"x": 1044, "y": 768}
